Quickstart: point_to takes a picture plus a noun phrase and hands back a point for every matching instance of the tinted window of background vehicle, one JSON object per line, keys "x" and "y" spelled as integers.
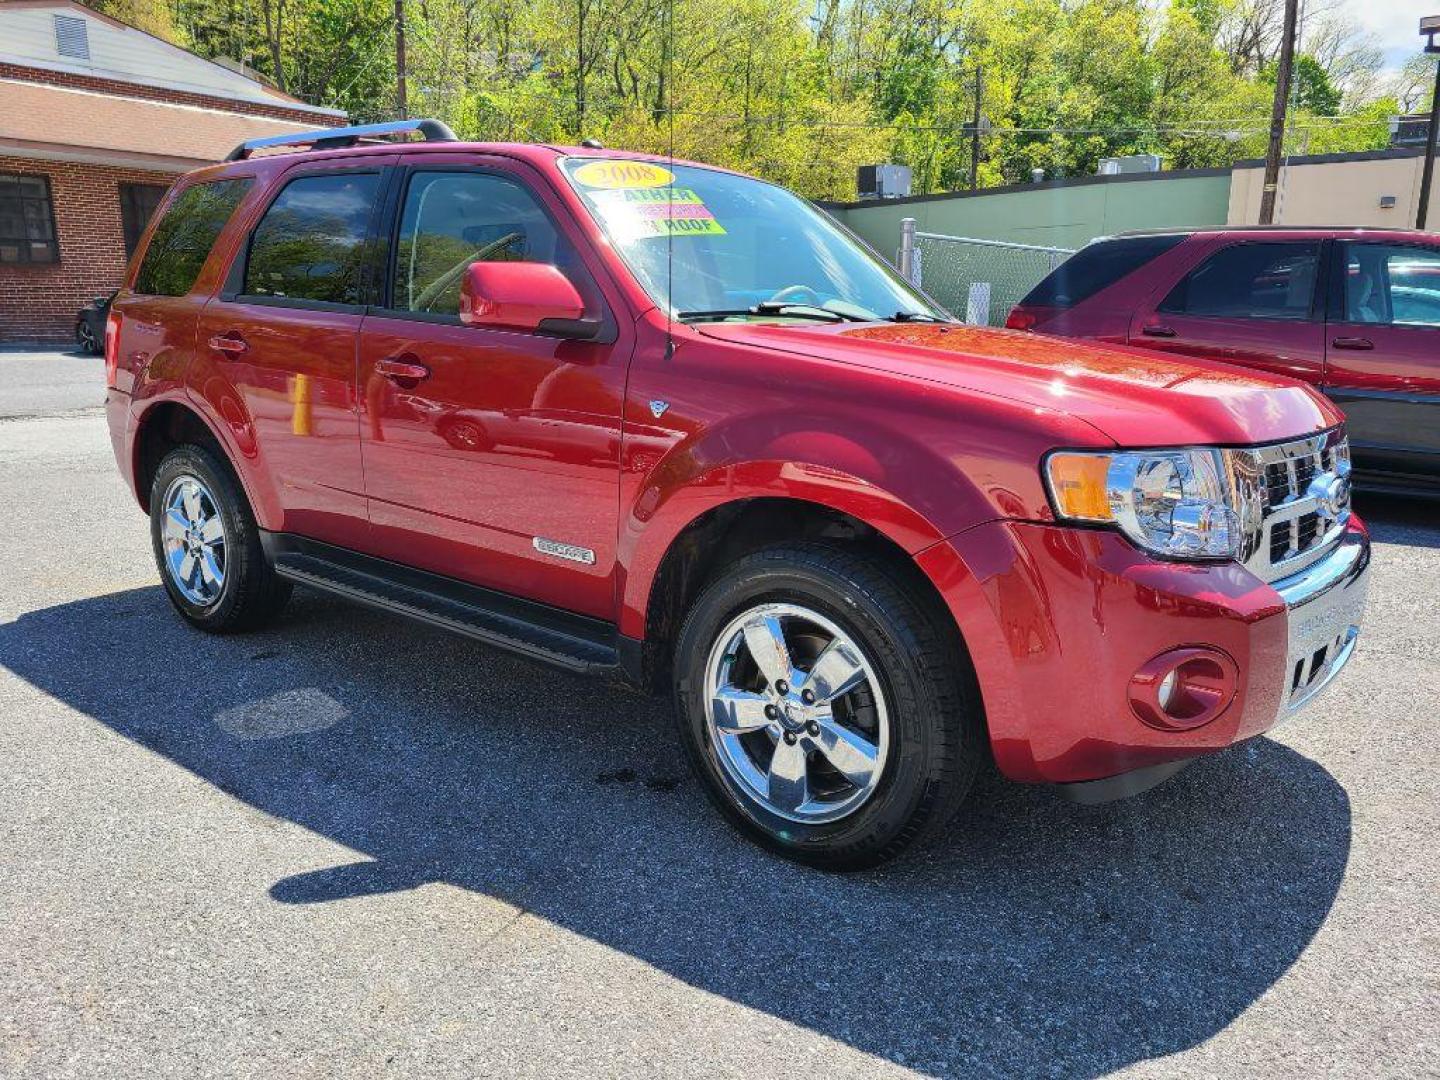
{"x": 454, "y": 219}
{"x": 1097, "y": 266}
{"x": 1392, "y": 284}
{"x": 310, "y": 245}
{"x": 1250, "y": 281}
{"x": 183, "y": 238}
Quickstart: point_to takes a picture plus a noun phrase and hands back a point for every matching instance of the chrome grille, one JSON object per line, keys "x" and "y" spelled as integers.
{"x": 1296, "y": 501}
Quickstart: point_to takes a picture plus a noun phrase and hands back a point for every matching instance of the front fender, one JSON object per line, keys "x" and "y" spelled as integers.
{"x": 668, "y": 505}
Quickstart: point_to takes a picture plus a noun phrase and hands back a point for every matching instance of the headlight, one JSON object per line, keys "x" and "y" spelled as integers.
{"x": 1176, "y": 503}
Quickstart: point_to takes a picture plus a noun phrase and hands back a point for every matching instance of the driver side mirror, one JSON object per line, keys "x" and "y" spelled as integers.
{"x": 524, "y": 296}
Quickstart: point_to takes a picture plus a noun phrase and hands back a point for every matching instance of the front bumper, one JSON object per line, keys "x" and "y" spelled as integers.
{"x": 1324, "y": 605}
{"x": 1058, "y": 620}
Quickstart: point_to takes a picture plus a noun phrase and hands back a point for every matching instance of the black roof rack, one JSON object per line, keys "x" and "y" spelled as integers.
{"x": 334, "y": 138}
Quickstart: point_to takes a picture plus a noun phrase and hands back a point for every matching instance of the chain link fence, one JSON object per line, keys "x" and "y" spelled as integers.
{"x": 978, "y": 281}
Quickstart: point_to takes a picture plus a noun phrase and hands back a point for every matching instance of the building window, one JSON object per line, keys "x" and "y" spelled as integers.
{"x": 27, "y": 221}
{"x": 137, "y": 206}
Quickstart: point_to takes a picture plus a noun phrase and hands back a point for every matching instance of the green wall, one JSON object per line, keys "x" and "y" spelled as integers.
{"x": 1057, "y": 214}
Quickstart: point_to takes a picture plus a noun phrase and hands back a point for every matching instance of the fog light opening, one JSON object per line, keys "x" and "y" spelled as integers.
{"x": 1183, "y": 688}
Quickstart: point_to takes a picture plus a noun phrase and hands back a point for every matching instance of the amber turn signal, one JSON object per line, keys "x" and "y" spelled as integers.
{"x": 1078, "y": 485}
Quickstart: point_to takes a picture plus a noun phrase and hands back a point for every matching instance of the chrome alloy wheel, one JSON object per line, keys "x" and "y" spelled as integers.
{"x": 193, "y": 536}
{"x": 798, "y": 717}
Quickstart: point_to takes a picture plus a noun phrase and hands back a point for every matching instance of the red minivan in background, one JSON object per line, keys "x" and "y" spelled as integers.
{"x": 1353, "y": 312}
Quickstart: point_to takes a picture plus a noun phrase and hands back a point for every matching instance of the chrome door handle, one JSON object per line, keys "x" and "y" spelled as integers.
{"x": 405, "y": 371}
{"x": 1352, "y": 343}
{"x": 230, "y": 343}
{"x": 1157, "y": 331}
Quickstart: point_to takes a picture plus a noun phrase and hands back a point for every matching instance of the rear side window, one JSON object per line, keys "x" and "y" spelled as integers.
{"x": 1250, "y": 281}
{"x": 310, "y": 245}
{"x": 1097, "y": 266}
{"x": 183, "y": 238}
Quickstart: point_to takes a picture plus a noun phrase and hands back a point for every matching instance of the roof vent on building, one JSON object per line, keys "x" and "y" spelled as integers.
{"x": 72, "y": 37}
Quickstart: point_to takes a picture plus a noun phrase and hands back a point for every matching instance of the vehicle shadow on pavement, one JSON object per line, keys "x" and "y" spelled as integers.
{"x": 1041, "y": 938}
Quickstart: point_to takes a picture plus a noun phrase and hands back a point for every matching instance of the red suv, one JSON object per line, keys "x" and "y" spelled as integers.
{"x": 1353, "y": 312}
{"x": 642, "y": 418}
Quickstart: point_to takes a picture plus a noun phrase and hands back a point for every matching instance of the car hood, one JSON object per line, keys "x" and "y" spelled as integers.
{"x": 1135, "y": 397}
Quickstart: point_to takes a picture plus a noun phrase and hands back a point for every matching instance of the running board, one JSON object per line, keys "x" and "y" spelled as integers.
{"x": 560, "y": 638}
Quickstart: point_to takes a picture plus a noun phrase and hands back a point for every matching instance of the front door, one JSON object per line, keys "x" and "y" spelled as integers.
{"x": 1255, "y": 304}
{"x": 490, "y": 455}
{"x": 1383, "y": 359}
{"x": 283, "y": 332}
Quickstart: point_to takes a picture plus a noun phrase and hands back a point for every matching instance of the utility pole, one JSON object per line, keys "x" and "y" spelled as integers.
{"x": 975, "y": 130}
{"x": 580, "y": 70}
{"x": 1430, "y": 27}
{"x": 1277, "y": 114}
{"x": 401, "y": 106}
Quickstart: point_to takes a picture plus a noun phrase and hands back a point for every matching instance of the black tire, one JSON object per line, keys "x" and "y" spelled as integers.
{"x": 936, "y": 730}
{"x": 251, "y": 594}
{"x": 86, "y": 341}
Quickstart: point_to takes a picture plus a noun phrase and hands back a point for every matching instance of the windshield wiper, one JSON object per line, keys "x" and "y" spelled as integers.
{"x": 794, "y": 311}
{"x": 914, "y": 316}
{"x": 770, "y": 307}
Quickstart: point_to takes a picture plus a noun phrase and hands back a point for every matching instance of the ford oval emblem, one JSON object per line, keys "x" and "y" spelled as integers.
{"x": 1331, "y": 492}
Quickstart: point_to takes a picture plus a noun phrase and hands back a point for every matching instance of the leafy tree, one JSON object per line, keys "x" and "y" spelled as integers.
{"x": 804, "y": 91}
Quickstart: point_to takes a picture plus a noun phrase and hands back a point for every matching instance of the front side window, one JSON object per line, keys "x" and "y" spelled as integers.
{"x": 27, "y": 220}
{"x": 311, "y": 243}
{"x": 1250, "y": 281}
{"x": 453, "y": 219}
{"x": 713, "y": 245}
{"x": 184, "y": 236}
{"x": 1391, "y": 284}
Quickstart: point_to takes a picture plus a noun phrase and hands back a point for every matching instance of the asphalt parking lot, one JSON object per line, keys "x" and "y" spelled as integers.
{"x": 348, "y": 846}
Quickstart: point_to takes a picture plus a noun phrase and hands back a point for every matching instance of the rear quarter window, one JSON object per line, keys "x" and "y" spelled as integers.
{"x": 1097, "y": 266}
{"x": 185, "y": 234}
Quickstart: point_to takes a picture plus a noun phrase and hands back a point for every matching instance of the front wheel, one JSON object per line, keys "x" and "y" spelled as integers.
{"x": 826, "y": 705}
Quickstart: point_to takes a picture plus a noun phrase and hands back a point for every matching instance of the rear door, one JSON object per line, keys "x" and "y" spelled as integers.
{"x": 1255, "y": 303}
{"x": 491, "y": 455}
{"x": 1383, "y": 357}
{"x": 283, "y": 332}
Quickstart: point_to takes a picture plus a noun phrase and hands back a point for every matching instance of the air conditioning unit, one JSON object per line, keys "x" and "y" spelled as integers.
{"x": 1130, "y": 163}
{"x": 883, "y": 181}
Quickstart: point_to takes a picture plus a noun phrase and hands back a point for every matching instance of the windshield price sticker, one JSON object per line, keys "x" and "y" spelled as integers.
{"x": 634, "y": 214}
{"x": 622, "y": 175}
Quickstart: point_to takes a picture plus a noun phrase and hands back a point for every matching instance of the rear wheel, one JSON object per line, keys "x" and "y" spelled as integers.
{"x": 826, "y": 706}
{"x": 207, "y": 545}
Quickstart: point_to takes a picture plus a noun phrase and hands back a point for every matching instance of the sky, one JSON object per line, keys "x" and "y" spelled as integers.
{"x": 1395, "y": 24}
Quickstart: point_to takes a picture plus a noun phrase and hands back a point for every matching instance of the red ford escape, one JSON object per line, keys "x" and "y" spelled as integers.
{"x": 1353, "y": 312}
{"x": 640, "y": 418}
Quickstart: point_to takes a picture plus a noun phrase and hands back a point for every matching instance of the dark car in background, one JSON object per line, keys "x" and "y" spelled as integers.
{"x": 90, "y": 325}
{"x": 1353, "y": 312}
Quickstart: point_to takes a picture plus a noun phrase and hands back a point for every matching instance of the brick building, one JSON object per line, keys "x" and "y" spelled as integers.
{"x": 97, "y": 119}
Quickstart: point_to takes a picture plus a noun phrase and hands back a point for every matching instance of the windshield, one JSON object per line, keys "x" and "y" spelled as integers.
{"x": 741, "y": 248}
